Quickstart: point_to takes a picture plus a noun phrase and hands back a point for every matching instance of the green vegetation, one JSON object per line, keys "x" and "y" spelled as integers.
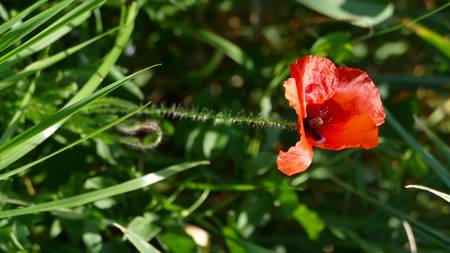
{"x": 154, "y": 125}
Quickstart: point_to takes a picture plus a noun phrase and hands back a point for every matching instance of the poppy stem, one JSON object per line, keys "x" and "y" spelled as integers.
{"x": 202, "y": 115}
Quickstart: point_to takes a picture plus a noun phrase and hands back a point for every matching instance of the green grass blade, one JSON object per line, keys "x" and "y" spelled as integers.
{"x": 440, "y": 42}
{"x": 51, "y": 60}
{"x": 434, "y": 164}
{"x": 140, "y": 244}
{"x": 443, "y": 148}
{"x": 18, "y": 17}
{"x": 110, "y": 59}
{"x": 437, "y": 236}
{"x": 226, "y": 46}
{"x": 444, "y": 196}
{"x": 79, "y": 11}
{"x": 13, "y": 150}
{"x": 11, "y": 127}
{"x": 20, "y": 145}
{"x": 28, "y": 26}
{"x": 82, "y": 199}
{"x": 49, "y": 39}
{"x": 71, "y": 145}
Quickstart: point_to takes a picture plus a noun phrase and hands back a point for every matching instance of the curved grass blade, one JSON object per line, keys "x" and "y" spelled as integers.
{"x": 434, "y": 164}
{"x": 71, "y": 145}
{"x": 28, "y": 26}
{"x": 214, "y": 40}
{"x": 18, "y": 17}
{"x": 26, "y": 141}
{"x": 444, "y": 196}
{"x": 82, "y": 199}
{"x": 140, "y": 244}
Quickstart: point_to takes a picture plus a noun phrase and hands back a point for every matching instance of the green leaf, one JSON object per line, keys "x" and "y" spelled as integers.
{"x": 82, "y": 199}
{"x": 310, "y": 221}
{"x": 140, "y": 244}
{"x": 440, "y": 42}
{"x": 366, "y": 13}
{"x": 444, "y": 196}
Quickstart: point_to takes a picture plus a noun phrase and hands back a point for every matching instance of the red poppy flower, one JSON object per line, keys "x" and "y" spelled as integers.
{"x": 337, "y": 108}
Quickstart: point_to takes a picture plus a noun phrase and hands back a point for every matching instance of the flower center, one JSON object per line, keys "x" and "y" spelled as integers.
{"x": 311, "y": 126}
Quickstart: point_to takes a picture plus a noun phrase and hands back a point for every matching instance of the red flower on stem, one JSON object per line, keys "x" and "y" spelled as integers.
{"x": 337, "y": 108}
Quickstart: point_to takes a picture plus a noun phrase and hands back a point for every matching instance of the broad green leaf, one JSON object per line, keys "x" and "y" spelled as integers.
{"x": 82, "y": 199}
{"x": 440, "y": 42}
{"x": 434, "y": 164}
{"x": 21, "y": 15}
{"x": 309, "y": 220}
{"x": 23, "y": 143}
{"x": 140, "y": 244}
{"x": 445, "y": 196}
{"x": 366, "y": 13}
{"x": 28, "y": 26}
{"x": 216, "y": 41}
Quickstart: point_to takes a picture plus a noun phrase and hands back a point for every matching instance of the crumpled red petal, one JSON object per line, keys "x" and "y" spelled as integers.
{"x": 316, "y": 78}
{"x": 297, "y": 159}
{"x": 291, "y": 94}
{"x": 358, "y": 132}
{"x": 357, "y": 94}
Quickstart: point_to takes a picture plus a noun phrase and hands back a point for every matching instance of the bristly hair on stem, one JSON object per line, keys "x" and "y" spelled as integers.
{"x": 114, "y": 105}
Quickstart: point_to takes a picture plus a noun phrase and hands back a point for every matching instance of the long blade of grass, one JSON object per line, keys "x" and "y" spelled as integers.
{"x": 140, "y": 244}
{"x": 443, "y": 148}
{"x": 21, "y": 15}
{"x": 49, "y": 39}
{"x": 78, "y": 11}
{"x": 24, "y": 142}
{"x": 71, "y": 145}
{"x": 51, "y": 60}
{"x": 434, "y": 164}
{"x": 440, "y": 42}
{"x": 82, "y": 199}
{"x": 28, "y": 26}
{"x": 444, "y": 196}
{"x": 13, "y": 150}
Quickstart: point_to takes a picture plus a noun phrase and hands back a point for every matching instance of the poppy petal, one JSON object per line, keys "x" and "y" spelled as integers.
{"x": 291, "y": 94}
{"x": 297, "y": 159}
{"x": 357, "y": 94}
{"x": 316, "y": 78}
{"x": 359, "y": 131}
